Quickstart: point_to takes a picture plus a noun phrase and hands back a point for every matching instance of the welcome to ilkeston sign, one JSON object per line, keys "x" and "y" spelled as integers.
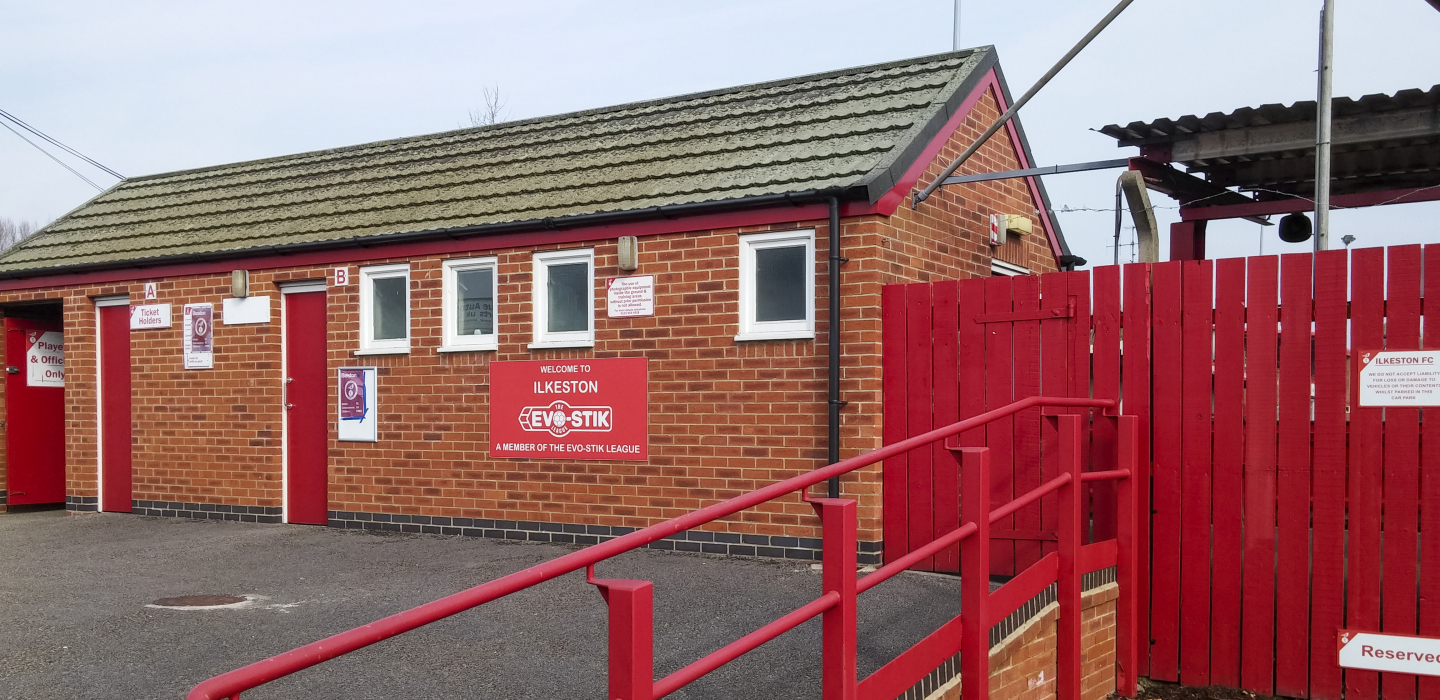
{"x": 570, "y": 409}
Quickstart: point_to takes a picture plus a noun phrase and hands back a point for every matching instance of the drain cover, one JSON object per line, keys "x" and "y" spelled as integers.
{"x": 196, "y": 601}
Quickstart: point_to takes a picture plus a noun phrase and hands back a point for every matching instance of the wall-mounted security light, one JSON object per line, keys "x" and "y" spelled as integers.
{"x": 629, "y": 253}
{"x": 240, "y": 284}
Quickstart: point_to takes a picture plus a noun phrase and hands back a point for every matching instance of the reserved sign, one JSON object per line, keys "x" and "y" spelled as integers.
{"x": 1398, "y": 653}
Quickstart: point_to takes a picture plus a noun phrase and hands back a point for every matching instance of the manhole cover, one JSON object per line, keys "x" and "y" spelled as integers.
{"x": 198, "y": 601}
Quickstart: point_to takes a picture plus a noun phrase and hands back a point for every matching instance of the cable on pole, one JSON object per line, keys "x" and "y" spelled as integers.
{"x": 1064, "y": 60}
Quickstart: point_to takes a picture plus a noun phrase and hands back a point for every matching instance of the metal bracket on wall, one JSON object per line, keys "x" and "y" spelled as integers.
{"x": 1040, "y": 315}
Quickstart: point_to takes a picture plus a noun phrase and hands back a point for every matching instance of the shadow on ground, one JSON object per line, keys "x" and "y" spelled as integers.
{"x": 74, "y": 590}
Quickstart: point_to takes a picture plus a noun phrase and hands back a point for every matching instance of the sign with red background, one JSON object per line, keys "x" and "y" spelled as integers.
{"x": 570, "y": 409}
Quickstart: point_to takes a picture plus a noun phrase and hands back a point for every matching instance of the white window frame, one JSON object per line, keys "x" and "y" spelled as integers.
{"x": 368, "y": 345}
{"x": 1005, "y": 269}
{"x": 452, "y": 341}
{"x": 539, "y": 301}
{"x": 750, "y": 329}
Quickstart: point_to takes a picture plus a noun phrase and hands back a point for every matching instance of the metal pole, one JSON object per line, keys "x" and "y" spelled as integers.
{"x": 956, "y": 43}
{"x": 1322, "y": 129}
{"x": 1117, "y": 221}
{"x": 1064, "y": 60}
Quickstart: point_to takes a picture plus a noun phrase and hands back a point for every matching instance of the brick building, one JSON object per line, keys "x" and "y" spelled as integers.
{"x": 441, "y": 260}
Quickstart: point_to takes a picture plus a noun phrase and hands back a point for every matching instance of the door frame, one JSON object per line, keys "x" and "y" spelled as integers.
{"x": 101, "y": 302}
{"x": 302, "y": 287}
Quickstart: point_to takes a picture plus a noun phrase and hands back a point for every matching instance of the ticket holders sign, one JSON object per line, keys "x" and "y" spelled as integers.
{"x": 1408, "y": 378}
{"x": 570, "y": 409}
{"x": 1396, "y": 653}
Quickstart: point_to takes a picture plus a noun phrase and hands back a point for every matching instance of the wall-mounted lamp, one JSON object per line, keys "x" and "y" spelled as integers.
{"x": 240, "y": 284}
{"x": 629, "y": 253}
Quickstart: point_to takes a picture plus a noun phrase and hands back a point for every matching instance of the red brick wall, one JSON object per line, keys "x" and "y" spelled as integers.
{"x": 726, "y": 417}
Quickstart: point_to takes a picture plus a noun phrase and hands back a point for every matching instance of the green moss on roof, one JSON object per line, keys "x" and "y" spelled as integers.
{"x": 846, "y": 129}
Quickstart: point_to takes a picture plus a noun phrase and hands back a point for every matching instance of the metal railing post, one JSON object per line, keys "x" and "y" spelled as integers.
{"x": 632, "y": 637}
{"x": 975, "y": 574}
{"x": 838, "y": 524}
{"x": 1127, "y": 557}
{"x": 1071, "y": 523}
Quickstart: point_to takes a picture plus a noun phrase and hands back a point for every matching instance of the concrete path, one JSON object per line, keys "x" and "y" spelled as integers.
{"x": 74, "y": 621}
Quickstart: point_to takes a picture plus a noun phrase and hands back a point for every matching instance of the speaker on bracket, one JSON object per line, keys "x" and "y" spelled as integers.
{"x": 1295, "y": 228}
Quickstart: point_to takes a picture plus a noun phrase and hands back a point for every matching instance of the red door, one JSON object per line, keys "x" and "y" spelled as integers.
{"x": 307, "y": 428}
{"x": 35, "y": 411}
{"x": 115, "y": 408}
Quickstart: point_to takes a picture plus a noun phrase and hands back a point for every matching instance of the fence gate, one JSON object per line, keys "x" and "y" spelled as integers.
{"x": 1281, "y": 510}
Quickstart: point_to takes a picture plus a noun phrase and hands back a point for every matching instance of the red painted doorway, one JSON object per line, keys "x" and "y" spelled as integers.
{"x": 115, "y": 436}
{"x": 35, "y": 411}
{"x": 306, "y": 406}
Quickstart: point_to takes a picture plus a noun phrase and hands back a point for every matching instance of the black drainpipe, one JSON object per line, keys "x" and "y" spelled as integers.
{"x": 834, "y": 402}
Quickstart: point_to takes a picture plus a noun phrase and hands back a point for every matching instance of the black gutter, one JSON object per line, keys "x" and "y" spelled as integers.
{"x": 672, "y": 211}
{"x": 834, "y": 403}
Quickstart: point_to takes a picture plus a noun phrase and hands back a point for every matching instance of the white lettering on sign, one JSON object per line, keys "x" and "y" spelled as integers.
{"x": 149, "y": 290}
{"x": 1390, "y": 652}
{"x": 45, "y": 358}
{"x": 630, "y": 296}
{"x": 342, "y": 276}
{"x": 149, "y": 316}
{"x": 576, "y": 387}
{"x": 1400, "y": 378}
{"x": 560, "y": 419}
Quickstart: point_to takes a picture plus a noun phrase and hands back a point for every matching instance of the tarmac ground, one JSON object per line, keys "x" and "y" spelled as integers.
{"x": 74, "y": 621}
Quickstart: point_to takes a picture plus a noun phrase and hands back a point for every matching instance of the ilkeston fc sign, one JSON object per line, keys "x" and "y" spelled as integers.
{"x": 570, "y": 409}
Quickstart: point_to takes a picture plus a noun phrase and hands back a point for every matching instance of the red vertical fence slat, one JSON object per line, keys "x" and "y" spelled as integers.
{"x": 1080, "y": 350}
{"x": 1328, "y": 472}
{"x": 1429, "y": 609}
{"x": 1054, "y": 377}
{"x": 1292, "y": 574}
{"x": 1257, "y": 639}
{"x": 1197, "y": 371}
{"x": 1228, "y": 470}
{"x": 893, "y": 380}
{"x": 1135, "y": 322}
{"x": 972, "y": 364}
{"x": 1027, "y": 423}
{"x": 921, "y": 477}
{"x": 1166, "y": 441}
{"x": 1000, "y": 434}
{"x": 1105, "y": 368}
{"x": 1367, "y": 321}
{"x": 1402, "y": 466}
{"x": 945, "y": 316}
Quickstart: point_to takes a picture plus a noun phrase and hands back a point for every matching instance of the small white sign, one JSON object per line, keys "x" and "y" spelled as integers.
{"x": 630, "y": 296}
{"x": 1397, "y": 653}
{"x": 356, "y": 398}
{"x": 45, "y": 358}
{"x": 150, "y": 291}
{"x": 342, "y": 276}
{"x": 149, "y": 316}
{"x": 199, "y": 336}
{"x": 997, "y": 229}
{"x": 1403, "y": 378}
{"x": 247, "y": 310}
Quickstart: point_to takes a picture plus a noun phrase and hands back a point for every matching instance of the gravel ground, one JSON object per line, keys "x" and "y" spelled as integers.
{"x": 74, "y": 591}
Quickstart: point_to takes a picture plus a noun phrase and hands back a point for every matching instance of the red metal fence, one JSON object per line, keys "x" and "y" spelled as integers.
{"x": 1281, "y": 511}
{"x": 631, "y": 646}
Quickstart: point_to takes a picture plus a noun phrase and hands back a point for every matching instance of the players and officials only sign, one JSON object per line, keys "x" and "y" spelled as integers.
{"x": 570, "y": 409}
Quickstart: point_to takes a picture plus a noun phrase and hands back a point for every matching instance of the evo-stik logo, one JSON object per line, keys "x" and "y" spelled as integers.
{"x": 561, "y": 419}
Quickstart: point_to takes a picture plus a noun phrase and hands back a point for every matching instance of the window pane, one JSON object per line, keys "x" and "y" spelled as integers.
{"x": 569, "y": 293}
{"x": 389, "y": 308}
{"x": 477, "y": 302}
{"x": 780, "y": 284}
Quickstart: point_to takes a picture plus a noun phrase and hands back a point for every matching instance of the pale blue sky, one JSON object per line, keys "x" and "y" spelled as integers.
{"x": 153, "y": 86}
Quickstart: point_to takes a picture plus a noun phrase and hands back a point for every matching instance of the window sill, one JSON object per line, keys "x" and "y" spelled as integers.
{"x": 562, "y": 344}
{"x": 775, "y": 335}
{"x": 382, "y": 351}
{"x": 468, "y": 348}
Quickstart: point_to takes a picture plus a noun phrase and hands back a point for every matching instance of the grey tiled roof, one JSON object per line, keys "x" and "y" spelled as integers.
{"x": 851, "y": 130}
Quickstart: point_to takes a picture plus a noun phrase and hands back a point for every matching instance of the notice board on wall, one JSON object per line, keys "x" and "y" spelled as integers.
{"x": 570, "y": 409}
{"x": 358, "y": 419}
{"x": 199, "y": 336}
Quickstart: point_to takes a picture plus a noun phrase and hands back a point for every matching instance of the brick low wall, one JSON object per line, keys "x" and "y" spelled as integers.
{"x": 1022, "y": 653}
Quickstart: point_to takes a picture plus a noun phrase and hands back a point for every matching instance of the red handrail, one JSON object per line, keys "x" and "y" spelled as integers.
{"x": 232, "y": 683}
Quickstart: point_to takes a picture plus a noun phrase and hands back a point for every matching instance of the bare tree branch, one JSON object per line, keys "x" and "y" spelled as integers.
{"x": 493, "y": 112}
{"x": 12, "y": 231}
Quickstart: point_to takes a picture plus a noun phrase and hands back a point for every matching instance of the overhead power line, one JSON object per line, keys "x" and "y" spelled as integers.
{"x": 51, "y": 156}
{"x": 22, "y": 124}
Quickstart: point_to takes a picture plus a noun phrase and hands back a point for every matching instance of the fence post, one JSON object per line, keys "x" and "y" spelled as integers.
{"x": 975, "y": 574}
{"x": 1127, "y": 558}
{"x": 632, "y": 644}
{"x": 838, "y": 523}
{"x": 1071, "y": 524}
